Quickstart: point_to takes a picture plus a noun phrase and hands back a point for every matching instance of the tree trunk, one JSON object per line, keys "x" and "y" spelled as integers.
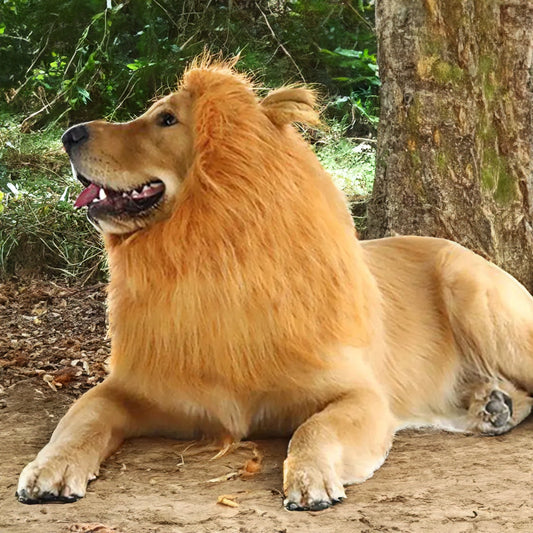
{"x": 455, "y": 137}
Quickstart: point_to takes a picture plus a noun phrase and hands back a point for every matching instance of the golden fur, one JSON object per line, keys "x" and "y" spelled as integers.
{"x": 244, "y": 304}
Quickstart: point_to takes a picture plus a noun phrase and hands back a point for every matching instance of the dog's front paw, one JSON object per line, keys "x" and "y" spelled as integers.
{"x": 53, "y": 477}
{"x": 310, "y": 485}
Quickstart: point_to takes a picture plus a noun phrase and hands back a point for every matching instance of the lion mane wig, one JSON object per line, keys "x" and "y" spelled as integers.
{"x": 257, "y": 272}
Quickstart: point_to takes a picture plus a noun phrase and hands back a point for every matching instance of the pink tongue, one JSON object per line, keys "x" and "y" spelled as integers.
{"x": 87, "y": 195}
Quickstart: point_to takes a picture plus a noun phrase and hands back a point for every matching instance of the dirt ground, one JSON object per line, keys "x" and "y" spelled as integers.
{"x": 53, "y": 347}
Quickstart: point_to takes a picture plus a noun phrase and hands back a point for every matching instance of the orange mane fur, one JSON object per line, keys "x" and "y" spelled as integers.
{"x": 257, "y": 274}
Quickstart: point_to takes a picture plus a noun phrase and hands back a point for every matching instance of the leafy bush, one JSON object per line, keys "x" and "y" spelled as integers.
{"x": 85, "y": 60}
{"x": 349, "y": 160}
{"x": 70, "y": 61}
{"x": 40, "y": 232}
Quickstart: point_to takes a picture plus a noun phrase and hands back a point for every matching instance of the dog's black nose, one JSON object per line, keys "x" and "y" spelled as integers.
{"x": 75, "y": 136}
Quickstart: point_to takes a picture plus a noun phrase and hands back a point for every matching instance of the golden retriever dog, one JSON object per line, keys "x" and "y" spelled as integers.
{"x": 242, "y": 304}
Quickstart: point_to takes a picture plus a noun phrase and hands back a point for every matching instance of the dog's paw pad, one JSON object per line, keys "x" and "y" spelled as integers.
{"x": 499, "y": 409}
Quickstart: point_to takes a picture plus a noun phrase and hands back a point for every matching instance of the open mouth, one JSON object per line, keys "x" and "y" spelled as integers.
{"x": 103, "y": 201}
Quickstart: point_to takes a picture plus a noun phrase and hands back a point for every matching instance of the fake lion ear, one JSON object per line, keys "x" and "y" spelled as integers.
{"x": 291, "y": 104}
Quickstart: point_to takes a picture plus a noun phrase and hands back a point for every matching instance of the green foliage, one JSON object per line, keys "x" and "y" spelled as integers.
{"x": 82, "y": 59}
{"x": 40, "y": 232}
{"x": 361, "y": 102}
{"x": 64, "y": 62}
{"x": 349, "y": 160}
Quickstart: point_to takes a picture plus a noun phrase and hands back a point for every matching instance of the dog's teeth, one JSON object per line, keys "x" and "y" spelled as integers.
{"x": 145, "y": 188}
{"x": 102, "y": 195}
{"x": 124, "y": 195}
{"x": 94, "y": 200}
{"x": 135, "y": 194}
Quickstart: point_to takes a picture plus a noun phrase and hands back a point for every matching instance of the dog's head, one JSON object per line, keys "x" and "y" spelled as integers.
{"x": 135, "y": 172}
{"x": 132, "y": 171}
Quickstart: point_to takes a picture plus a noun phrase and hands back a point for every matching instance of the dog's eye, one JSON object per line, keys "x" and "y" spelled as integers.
{"x": 167, "y": 119}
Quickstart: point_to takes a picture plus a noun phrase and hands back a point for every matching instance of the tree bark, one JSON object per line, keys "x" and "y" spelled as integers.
{"x": 455, "y": 134}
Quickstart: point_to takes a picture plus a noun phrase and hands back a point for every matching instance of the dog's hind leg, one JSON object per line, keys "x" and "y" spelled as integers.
{"x": 491, "y": 316}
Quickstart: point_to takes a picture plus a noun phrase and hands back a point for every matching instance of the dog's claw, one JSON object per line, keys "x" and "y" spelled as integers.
{"x": 291, "y": 506}
{"x": 313, "y": 506}
{"x": 319, "y": 506}
{"x": 47, "y": 497}
{"x": 23, "y": 497}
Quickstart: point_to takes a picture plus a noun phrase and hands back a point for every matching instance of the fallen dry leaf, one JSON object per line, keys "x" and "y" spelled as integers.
{"x": 49, "y": 380}
{"x": 65, "y": 375}
{"x": 39, "y": 308}
{"x": 254, "y": 465}
{"x": 251, "y": 467}
{"x": 45, "y": 327}
{"x": 226, "y": 499}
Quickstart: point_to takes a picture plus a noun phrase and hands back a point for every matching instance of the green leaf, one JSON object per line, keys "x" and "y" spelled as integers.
{"x": 348, "y": 53}
{"x": 84, "y": 94}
